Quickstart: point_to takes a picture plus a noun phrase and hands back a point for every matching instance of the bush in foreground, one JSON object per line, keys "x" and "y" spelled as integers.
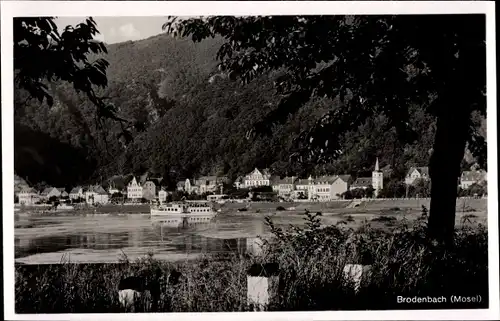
{"x": 311, "y": 260}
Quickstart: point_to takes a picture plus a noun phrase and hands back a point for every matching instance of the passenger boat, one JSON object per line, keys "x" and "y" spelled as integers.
{"x": 184, "y": 212}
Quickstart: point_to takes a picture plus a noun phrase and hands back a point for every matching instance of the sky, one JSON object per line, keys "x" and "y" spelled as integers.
{"x": 119, "y": 29}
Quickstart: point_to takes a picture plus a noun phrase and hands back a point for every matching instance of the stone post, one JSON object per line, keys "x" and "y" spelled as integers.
{"x": 357, "y": 274}
{"x": 358, "y": 271}
{"x": 262, "y": 285}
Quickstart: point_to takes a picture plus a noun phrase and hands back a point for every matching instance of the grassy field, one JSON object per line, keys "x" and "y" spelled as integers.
{"x": 344, "y": 205}
{"x": 384, "y": 214}
{"x": 311, "y": 259}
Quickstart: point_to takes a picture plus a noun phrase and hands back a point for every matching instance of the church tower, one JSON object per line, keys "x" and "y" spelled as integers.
{"x": 377, "y": 179}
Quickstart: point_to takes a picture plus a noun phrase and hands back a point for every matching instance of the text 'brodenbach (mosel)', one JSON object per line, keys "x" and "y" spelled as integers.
{"x": 440, "y": 299}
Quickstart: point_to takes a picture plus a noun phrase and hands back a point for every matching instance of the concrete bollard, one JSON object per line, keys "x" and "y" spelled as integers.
{"x": 357, "y": 274}
{"x": 262, "y": 285}
{"x": 133, "y": 290}
{"x": 129, "y": 292}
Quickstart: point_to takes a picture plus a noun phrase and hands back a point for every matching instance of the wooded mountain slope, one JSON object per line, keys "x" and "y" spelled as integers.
{"x": 187, "y": 122}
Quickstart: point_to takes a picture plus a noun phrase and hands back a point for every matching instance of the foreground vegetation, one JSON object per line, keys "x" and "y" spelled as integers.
{"x": 311, "y": 261}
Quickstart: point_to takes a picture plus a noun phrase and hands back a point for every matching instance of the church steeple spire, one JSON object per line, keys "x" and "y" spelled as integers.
{"x": 377, "y": 179}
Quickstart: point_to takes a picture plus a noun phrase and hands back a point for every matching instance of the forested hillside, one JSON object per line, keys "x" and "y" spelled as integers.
{"x": 188, "y": 121}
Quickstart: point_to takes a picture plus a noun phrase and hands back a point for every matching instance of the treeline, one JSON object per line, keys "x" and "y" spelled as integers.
{"x": 185, "y": 125}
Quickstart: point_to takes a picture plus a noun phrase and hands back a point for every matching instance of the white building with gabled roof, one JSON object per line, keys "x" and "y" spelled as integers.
{"x": 257, "y": 178}
{"x": 96, "y": 195}
{"x": 327, "y": 188}
{"x": 134, "y": 190}
{"x": 469, "y": 178}
{"x": 415, "y": 173}
{"x": 162, "y": 196}
{"x": 76, "y": 193}
{"x": 28, "y": 196}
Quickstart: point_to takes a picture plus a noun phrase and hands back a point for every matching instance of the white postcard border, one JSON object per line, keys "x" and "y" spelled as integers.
{"x": 10, "y": 9}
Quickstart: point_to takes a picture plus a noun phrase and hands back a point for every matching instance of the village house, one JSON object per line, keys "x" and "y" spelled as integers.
{"x": 472, "y": 177}
{"x": 257, "y": 178}
{"x": 28, "y": 196}
{"x": 361, "y": 183}
{"x": 207, "y": 184}
{"x": 416, "y": 173}
{"x": 49, "y": 192}
{"x": 322, "y": 188}
{"x": 134, "y": 190}
{"x": 76, "y": 193}
{"x": 96, "y": 195}
{"x": 305, "y": 186}
{"x": 328, "y": 188}
{"x": 149, "y": 189}
{"x": 285, "y": 186}
{"x": 162, "y": 196}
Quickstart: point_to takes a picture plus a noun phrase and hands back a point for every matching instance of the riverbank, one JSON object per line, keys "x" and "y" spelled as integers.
{"x": 339, "y": 207}
{"x": 85, "y": 209}
{"x": 311, "y": 260}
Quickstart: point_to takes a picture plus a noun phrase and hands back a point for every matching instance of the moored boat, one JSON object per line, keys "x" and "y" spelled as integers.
{"x": 185, "y": 211}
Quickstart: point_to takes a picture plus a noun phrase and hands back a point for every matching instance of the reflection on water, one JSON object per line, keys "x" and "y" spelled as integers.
{"x": 35, "y": 236}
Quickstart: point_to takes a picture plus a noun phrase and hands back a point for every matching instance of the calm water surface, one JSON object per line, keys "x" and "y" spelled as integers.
{"x": 104, "y": 238}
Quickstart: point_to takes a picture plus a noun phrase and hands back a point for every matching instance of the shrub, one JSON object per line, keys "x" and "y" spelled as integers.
{"x": 384, "y": 219}
{"x": 349, "y": 218}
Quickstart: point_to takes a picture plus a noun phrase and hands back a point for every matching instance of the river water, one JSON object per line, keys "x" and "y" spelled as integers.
{"x": 100, "y": 238}
{"x": 89, "y": 238}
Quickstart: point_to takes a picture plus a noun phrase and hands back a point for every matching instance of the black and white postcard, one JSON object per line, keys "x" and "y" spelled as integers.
{"x": 275, "y": 160}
